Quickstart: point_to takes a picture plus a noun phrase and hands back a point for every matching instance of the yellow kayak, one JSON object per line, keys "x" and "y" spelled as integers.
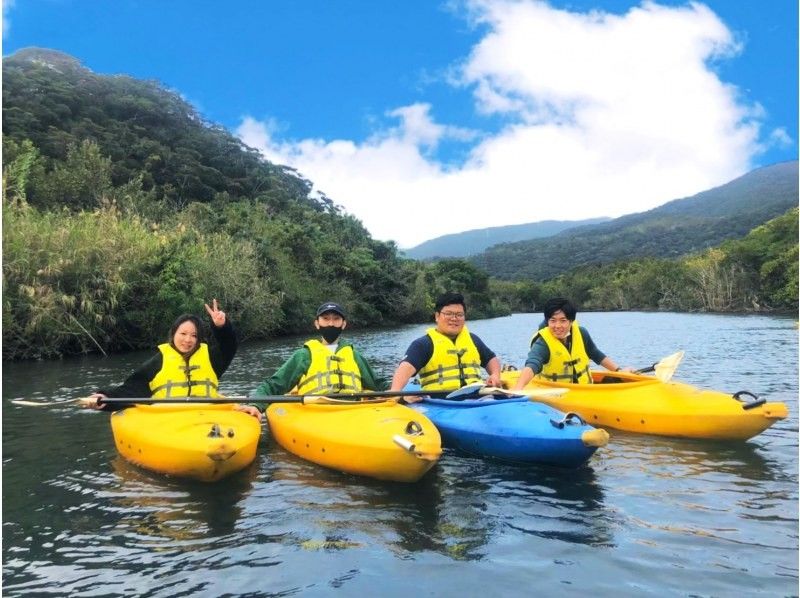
{"x": 201, "y": 441}
{"x": 644, "y": 404}
{"x": 380, "y": 440}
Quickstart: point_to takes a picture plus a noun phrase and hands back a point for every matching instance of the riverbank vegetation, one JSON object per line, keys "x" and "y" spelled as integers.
{"x": 123, "y": 209}
{"x": 754, "y": 274}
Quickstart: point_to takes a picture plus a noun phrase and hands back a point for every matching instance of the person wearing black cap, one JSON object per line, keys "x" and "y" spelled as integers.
{"x": 449, "y": 356}
{"x": 323, "y": 365}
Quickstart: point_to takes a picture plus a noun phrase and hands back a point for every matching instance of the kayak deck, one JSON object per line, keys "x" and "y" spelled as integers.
{"x": 646, "y": 405}
{"x": 514, "y": 430}
{"x": 204, "y": 442}
{"x": 382, "y": 440}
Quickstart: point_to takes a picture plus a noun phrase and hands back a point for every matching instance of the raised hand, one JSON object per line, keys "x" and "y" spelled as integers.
{"x": 217, "y": 315}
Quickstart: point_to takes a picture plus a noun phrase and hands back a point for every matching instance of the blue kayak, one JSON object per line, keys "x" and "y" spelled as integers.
{"x": 513, "y": 429}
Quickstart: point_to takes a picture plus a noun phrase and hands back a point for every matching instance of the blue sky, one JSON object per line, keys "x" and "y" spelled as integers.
{"x": 424, "y": 118}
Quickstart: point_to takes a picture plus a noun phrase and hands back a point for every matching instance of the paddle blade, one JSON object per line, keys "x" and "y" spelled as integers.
{"x": 469, "y": 390}
{"x": 29, "y": 403}
{"x": 541, "y": 393}
{"x": 666, "y": 367}
{"x": 526, "y": 392}
{"x": 42, "y": 404}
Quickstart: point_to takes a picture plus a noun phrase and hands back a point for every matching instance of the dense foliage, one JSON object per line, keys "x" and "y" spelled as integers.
{"x": 674, "y": 229}
{"x": 755, "y": 273}
{"x": 123, "y": 209}
{"x": 113, "y": 276}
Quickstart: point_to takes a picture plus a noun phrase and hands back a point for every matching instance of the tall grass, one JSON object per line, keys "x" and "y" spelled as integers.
{"x": 99, "y": 280}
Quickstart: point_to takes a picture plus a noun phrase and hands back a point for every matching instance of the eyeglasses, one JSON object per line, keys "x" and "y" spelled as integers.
{"x": 454, "y": 314}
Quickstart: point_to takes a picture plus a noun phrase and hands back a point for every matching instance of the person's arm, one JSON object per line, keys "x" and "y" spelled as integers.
{"x": 369, "y": 380}
{"x": 136, "y": 385}
{"x": 538, "y": 355}
{"x": 489, "y": 361}
{"x": 419, "y": 353}
{"x": 493, "y": 368}
{"x": 226, "y": 345}
{"x": 596, "y": 354}
{"x": 286, "y": 377}
{"x": 525, "y": 376}
{"x": 402, "y": 375}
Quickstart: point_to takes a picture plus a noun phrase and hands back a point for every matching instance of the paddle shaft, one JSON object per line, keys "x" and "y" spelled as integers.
{"x": 460, "y": 393}
{"x": 305, "y": 399}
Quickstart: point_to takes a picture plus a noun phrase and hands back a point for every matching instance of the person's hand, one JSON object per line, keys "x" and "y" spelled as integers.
{"x": 96, "y": 405}
{"x": 217, "y": 315}
{"x": 410, "y": 398}
{"x": 494, "y": 380}
{"x": 249, "y": 410}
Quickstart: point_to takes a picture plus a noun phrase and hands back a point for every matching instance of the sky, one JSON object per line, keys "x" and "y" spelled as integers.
{"x": 426, "y": 117}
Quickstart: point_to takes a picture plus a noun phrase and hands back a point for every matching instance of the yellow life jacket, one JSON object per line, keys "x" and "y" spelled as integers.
{"x": 454, "y": 363}
{"x": 330, "y": 372}
{"x": 565, "y": 365}
{"x": 180, "y": 379}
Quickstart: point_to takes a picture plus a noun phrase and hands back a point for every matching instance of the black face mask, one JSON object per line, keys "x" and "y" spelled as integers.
{"x": 330, "y": 333}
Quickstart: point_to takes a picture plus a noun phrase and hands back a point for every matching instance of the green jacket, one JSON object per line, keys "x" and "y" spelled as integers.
{"x": 289, "y": 374}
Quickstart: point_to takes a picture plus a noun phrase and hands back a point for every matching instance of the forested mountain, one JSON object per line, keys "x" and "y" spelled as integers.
{"x": 472, "y": 242}
{"x": 122, "y": 208}
{"x": 148, "y": 133}
{"x": 677, "y": 228}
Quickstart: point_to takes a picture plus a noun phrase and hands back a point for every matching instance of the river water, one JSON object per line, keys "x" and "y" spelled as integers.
{"x": 647, "y": 516}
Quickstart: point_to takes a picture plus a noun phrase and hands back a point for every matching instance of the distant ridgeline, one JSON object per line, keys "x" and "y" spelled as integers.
{"x": 677, "y": 228}
{"x": 472, "y": 242}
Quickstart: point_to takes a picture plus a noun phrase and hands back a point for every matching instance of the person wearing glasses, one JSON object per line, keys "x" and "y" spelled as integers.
{"x": 560, "y": 351}
{"x": 449, "y": 356}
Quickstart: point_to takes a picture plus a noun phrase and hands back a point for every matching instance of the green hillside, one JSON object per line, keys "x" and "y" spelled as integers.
{"x": 149, "y": 135}
{"x": 122, "y": 208}
{"x": 677, "y": 228}
{"x": 472, "y": 242}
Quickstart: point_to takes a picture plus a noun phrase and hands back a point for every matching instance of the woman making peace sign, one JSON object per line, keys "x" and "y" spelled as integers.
{"x": 184, "y": 366}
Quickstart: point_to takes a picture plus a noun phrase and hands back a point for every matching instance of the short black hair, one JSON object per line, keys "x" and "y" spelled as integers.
{"x": 559, "y": 304}
{"x": 450, "y": 298}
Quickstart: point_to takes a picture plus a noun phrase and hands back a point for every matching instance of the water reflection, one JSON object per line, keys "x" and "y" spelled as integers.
{"x": 685, "y": 457}
{"x": 458, "y": 509}
{"x": 165, "y": 508}
{"x": 543, "y": 501}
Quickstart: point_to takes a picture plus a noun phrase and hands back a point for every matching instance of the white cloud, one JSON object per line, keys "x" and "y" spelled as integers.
{"x": 608, "y": 115}
{"x": 7, "y": 6}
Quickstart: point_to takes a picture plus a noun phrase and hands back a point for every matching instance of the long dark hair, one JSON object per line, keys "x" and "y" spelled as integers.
{"x": 186, "y": 318}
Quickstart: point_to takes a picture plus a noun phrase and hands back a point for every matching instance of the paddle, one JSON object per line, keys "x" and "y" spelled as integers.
{"x": 664, "y": 368}
{"x": 305, "y": 399}
{"x": 531, "y": 393}
{"x": 333, "y": 398}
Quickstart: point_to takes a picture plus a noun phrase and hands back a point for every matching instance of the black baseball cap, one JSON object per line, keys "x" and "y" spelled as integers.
{"x": 330, "y": 306}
